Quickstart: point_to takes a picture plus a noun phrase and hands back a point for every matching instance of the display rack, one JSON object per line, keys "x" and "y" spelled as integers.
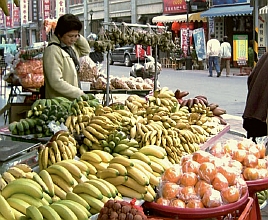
{"x": 149, "y": 28}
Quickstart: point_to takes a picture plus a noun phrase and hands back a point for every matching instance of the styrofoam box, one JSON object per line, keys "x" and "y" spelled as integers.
{"x": 85, "y": 86}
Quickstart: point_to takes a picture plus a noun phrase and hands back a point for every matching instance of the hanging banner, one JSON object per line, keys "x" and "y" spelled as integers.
{"x": 9, "y": 19}
{"x": 34, "y": 10}
{"x": 200, "y": 43}
{"x": 16, "y": 16}
{"x": 60, "y": 8}
{"x": 177, "y": 6}
{"x": 24, "y": 12}
{"x": 184, "y": 45}
{"x": 46, "y": 9}
{"x": 240, "y": 49}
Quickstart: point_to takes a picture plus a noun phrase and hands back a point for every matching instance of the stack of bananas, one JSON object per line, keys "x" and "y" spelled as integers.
{"x": 136, "y": 105}
{"x": 133, "y": 178}
{"x": 96, "y": 192}
{"x": 97, "y": 161}
{"x": 262, "y": 197}
{"x": 62, "y": 146}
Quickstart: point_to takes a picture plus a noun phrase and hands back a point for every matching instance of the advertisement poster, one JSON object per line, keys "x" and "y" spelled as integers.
{"x": 177, "y": 6}
{"x": 184, "y": 37}
{"x": 240, "y": 48}
{"x": 200, "y": 43}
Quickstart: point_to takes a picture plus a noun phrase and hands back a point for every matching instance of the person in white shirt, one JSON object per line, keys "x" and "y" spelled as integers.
{"x": 213, "y": 53}
{"x": 226, "y": 52}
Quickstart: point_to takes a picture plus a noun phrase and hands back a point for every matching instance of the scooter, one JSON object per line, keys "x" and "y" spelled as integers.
{"x": 146, "y": 70}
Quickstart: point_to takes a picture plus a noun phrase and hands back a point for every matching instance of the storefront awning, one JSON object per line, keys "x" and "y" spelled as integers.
{"x": 178, "y": 18}
{"x": 228, "y": 11}
{"x": 263, "y": 10}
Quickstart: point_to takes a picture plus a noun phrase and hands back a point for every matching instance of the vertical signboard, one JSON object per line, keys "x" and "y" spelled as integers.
{"x": 46, "y": 9}
{"x": 34, "y": 10}
{"x": 9, "y": 19}
{"x": 2, "y": 20}
{"x": 184, "y": 45}
{"x": 24, "y": 12}
{"x": 16, "y": 16}
{"x": 60, "y": 8}
{"x": 200, "y": 43}
{"x": 240, "y": 48}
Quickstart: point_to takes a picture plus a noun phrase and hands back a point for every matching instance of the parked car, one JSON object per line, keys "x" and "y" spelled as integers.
{"x": 129, "y": 54}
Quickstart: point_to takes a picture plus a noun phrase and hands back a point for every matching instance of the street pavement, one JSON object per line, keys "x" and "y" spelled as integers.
{"x": 229, "y": 92}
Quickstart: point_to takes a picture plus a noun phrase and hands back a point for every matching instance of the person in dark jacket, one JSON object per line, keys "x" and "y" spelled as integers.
{"x": 255, "y": 113}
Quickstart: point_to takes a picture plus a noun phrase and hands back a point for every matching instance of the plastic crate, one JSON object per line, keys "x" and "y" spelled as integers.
{"x": 233, "y": 211}
{"x": 247, "y": 213}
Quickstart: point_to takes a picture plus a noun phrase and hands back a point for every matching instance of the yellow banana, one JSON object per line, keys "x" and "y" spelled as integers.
{"x": 122, "y": 160}
{"x": 33, "y": 213}
{"x": 49, "y": 213}
{"x": 109, "y": 172}
{"x": 112, "y": 188}
{"x": 3, "y": 183}
{"x": 59, "y": 192}
{"x": 76, "y": 198}
{"x": 153, "y": 150}
{"x": 119, "y": 167}
{"x": 61, "y": 183}
{"x": 63, "y": 211}
{"x": 6, "y": 210}
{"x": 138, "y": 175}
{"x": 128, "y": 192}
{"x": 18, "y": 204}
{"x": 27, "y": 198}
{"x": 40, "y": 181}
{"x": 133, "y": 184}
{"x": 88, "y": 189}
{"x": 93, "y": 202}
{"x": 105, "y": 156}
{"x": 25, "y": 167}
{"x": 74, "y": 170}
{"x": 8, "y": 177}
{"x": 91, "y": 157}
{"x": 101, "y": 186}
{"x": 45, "y": 176}
{"x": 56, "y": 150}
{"x": 90, "y": 169}
{"x": 141, "y": 156}
{"x": 62, "y": 172}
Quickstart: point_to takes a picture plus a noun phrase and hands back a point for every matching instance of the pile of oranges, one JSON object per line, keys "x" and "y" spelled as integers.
{"x": 201, "y": 181}
{"x": 246, "y": 155}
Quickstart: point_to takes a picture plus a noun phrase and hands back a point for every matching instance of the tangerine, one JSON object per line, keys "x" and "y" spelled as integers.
{"x": 212, "y": 198}
{"x": 220, "y": 182}
{"x": 172, "y": 174}
{"x": 195, "y": 203}
{"x": 229, "y": 173}
{"x": 188, "y": 179}
{"x": 250, "y": 161}
{"x": 201, "y": 187}
{"x": 230, "y": 194}
{"x": 201, "y": 156}
{"x": 190, "y": 166}
{"x": 207, "y": 171}
{"x": 178, "y": 203}
{"x": 186, "y": 193}
{"x": 262, "y": 150}
{"x": 254, "y": 150}
{"x": 170, "y": 190}
{"x": 251, "y": 173}
{"x": 239, "y": 155}
{"x": 163, "y": 201}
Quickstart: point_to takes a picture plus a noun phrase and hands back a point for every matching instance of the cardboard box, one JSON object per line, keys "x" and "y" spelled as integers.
{"x": 18, "y": 111}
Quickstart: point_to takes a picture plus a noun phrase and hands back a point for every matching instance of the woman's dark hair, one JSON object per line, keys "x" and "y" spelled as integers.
{"x": 66, "y": 23}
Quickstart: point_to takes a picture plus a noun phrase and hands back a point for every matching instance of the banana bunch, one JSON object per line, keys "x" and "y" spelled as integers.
{"x": 15, "y": 172}
{"x": 96, "y": 192}
{"x": 61, "y": 147}
{"x": 132, "y": 177}
{"x": 96, "y": 160}
{"x": 262, "y": 196}
{"x": 136, "y": 104}
{"x": 83, "y": 104}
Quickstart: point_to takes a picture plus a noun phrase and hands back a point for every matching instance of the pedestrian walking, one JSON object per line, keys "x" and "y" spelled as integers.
{"x": 255, "y": 113}
{"x": 226, "y": 53}
{"x": 213, "y": 53}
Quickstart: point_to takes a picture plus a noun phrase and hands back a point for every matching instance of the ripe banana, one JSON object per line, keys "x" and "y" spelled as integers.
{"x": 119, "y": 167}
{"x": 25, "y": 167}
{"x": 59, "y": 192}
{"x": 109, "y": 172}
{"x": 90, "y": 168}
{"x": 22, "y": 185}
{"x": 3, "y": 183}
{"x": 18, "y": 204}
{"x": 122, "y": 160}
{"x": 80, "y": 211}
{"x": 6, "y": 210}
{"x": 91, "y": 157}
{"x": 61, "y": 183}
{"x": 33, "y": 213}
{"x": 39, "y": 180}
{"x": 128, "y": 192}
{"x": 45, "y": 176}
{"x": 138, "y": 175}
{"x": 112, "y": 188}
{"x": 27, "y": 198}
{"x": 74, "y": 170}
{"x": 145, "y": 166}
{"x": 76, "y": 198}
{"x": 88, "y": 189}
{"x": 133, "y": 184}
{"x": 105, "y": 191}
{"x": 93, "y": 202}
{"x": 8, "y": 177}
{"x": 49, "y": 213}
{"x": 62, "y": 172}
{"x": 63, "y": 211}
{"x": 82, "y": 166}
{"x": 153, "y": 150}
{"x": 105, "y": 156}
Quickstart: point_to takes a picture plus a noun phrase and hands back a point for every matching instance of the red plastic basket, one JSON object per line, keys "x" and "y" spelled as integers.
{"x": 247, "y": 214}
{"x": 229, "y": 211}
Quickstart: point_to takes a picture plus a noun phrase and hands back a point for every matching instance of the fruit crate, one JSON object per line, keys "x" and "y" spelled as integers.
{"x": 240, "y": 210}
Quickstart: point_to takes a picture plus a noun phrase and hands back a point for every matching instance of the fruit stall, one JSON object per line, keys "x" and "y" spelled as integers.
{"x": 155, "y": 156}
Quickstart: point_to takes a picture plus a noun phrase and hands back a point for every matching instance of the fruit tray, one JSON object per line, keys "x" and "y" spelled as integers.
{"x": 235, "y": 208}
{"x": 257, "y": 185}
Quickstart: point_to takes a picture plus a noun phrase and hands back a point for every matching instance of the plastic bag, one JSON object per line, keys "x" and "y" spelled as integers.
{"x": 88, "y": 71}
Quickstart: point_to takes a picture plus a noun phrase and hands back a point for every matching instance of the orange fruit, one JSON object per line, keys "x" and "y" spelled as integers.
{"x": 207, "y": 171}
{"x": 188, "y": 179}
{"x": 201, "y": 156}
{"x": 212, "y": 198}
{"x": 251, "y": 173}
{"x": 262, "y": 150}
{"x": 162, "y": 201}
{"x": 217, "y": 150}
{"x": 263, "y": 173}
{"x": 186, "y": 193}
{"x": 220, "y": 182}
{"x": 172, "y": 174}
{"x": 250, "y": 161}
{"x": 262, "y": 163}
{"x": 201, "y": 187}
{"x": 195, "y": 203}
{"x": 178, "y": 203}
{"x": 230, "y": 194}
{"x": 190, "y": 166}
{"x": 239, "y": 155}
{"x": 229, "y": 173}
{"x": 254, "y": 150}
{"x": 170, "y": 190}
